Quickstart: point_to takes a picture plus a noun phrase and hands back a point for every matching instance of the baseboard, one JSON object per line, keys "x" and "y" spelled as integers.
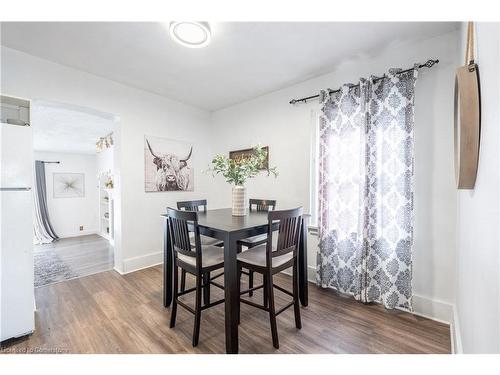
{"x": 141, "y": 262}
{"x": 422, "y": 306}
{"x": 311, "y": 274}
{"x": 456, "y": 336}
{"x": 78, "y": 234}
{"x": 433, "y": 309}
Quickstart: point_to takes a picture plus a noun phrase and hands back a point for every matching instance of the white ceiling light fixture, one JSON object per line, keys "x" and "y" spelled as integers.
{"x": 191, "y": 34}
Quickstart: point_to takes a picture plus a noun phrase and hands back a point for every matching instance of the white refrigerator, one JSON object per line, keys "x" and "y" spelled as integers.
{"x": 17, "y": 302}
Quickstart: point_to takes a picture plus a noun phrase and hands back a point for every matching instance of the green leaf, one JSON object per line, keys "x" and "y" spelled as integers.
{"x": 238, "y": 171}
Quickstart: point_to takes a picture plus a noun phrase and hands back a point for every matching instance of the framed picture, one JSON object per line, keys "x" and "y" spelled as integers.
{"x": 167, "y": 165}
{"x": 69, "y": 185}
{"x": 245, "y": 153}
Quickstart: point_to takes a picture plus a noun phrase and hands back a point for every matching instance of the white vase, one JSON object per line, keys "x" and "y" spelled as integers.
{"x": 239, "y": 200}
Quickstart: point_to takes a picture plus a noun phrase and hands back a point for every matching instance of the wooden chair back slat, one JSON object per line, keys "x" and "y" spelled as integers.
{"x": 289, "y": 227}
{"x": 192, "y": 205}
{"x": 179, "y": 223}
{"x": 262, "y": 204}
{"x": 180, "y": 235}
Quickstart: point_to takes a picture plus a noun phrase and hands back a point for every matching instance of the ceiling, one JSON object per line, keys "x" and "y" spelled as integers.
{"x": 244, "y": 60}
{"x": 65, "y": 128}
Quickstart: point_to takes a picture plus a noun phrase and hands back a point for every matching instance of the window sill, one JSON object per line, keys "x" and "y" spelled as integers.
{"x": 313, "y": 230}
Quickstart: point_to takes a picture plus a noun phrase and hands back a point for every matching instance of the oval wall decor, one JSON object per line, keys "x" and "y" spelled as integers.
{"x": 467, "y": 117}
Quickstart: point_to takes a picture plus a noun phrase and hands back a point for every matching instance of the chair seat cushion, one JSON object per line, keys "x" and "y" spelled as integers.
{"x": 254, "y": 239}
{"x": 204, "y": 240}
{"x": 257, "y": 257}
{"x": 210, "y": 256}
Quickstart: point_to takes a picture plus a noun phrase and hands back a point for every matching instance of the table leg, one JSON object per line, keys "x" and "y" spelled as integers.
{"x": 303, "y": 283}
{"x": 232, "y": 297}
{"x": 167, "y": 266}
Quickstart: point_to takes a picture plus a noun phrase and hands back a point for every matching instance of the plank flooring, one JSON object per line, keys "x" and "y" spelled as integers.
{"x": 111, "y": 313}
{"x": 73, "y": 257}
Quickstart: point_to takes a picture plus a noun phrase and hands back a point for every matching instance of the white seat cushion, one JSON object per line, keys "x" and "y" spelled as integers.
{"x": 257, "y": 257}
{"x": 210, "y": 256}
{"x": 204, "y": 240}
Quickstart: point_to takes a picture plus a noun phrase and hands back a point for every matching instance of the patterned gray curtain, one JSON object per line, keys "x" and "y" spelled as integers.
{"x": 366, "y": 189}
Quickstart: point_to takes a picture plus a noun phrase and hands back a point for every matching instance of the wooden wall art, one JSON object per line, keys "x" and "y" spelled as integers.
{"x": 238, "y": 154}
{"x": 467, "y": 117}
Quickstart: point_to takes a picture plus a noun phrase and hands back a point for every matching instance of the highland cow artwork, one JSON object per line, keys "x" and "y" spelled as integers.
{"x": 167, "y": 165}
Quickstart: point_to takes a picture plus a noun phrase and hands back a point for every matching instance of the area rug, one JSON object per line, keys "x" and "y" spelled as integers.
{"x": 50, "y": 268}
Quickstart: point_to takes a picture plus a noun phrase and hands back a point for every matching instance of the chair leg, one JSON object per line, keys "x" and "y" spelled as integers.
{"x": 239, "y": 296}
{"x": 296, "y": 306}
{"x": 173, "y": 313}
{"x": 183, "y": 280}
{"x": 265, "y": 293}
{"x": 272, "y": 312}
{"x": 197, "y": 311}
{"x": 250, "y": 282}
{"x": 206, "y": 288}
{"x": 239, "y": 249}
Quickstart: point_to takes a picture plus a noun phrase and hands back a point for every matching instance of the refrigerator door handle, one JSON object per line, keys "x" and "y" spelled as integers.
{"x": 16, "y": 189}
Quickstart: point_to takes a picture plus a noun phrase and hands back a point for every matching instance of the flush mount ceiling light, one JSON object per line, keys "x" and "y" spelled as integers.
{"x": 190, "y": 33}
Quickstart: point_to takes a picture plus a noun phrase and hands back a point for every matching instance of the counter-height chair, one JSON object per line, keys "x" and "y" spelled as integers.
{"x": 193, "y": 205}
{"x": 268, "y": 260}
{"x": 196, "y": 205}
{"x": 255, "y": 205}
{"x": 195, "y": 258}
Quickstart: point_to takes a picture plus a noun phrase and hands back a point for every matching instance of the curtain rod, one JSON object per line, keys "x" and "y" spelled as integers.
{"x": 50, "y": 162}
{"x": 428, "y": 64}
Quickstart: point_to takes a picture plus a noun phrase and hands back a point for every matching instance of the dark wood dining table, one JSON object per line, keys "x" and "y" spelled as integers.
{"x": 221, "y": 224}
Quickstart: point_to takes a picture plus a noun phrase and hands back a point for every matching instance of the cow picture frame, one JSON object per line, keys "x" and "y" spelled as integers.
{"x": 247, "y": 152}
{"x": 167, "y": 165}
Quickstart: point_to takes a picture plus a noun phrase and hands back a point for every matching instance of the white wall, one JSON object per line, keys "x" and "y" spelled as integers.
{"x": 478, "y": 257}
{"x": 105, "y": 160}
{"x": 138, "y": 231}
{"x": 67, "y": 214}
{"x": 270, "y": 120}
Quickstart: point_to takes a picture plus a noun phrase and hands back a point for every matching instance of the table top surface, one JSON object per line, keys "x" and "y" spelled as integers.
{"x": 222, "y": 219}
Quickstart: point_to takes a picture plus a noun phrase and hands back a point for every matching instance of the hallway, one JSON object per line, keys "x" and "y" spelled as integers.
{"x": 70, "y": 258}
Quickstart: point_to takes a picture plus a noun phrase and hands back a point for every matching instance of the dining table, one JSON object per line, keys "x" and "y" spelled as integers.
{"x": 222, "y": 225}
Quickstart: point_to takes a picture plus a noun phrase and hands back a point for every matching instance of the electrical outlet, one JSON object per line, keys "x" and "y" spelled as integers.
{"x": 81, "y": 228}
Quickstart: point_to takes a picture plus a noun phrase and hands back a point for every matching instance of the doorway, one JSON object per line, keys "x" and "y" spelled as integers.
{"x": 74, "y": 218}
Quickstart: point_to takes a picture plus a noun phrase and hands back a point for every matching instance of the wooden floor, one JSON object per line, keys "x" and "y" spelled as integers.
{"x": 110, "y": 313}
{"x": 70, "y": 258}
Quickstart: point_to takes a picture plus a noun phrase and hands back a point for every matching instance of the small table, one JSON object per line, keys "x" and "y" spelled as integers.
{"x": 221, "y": 224}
